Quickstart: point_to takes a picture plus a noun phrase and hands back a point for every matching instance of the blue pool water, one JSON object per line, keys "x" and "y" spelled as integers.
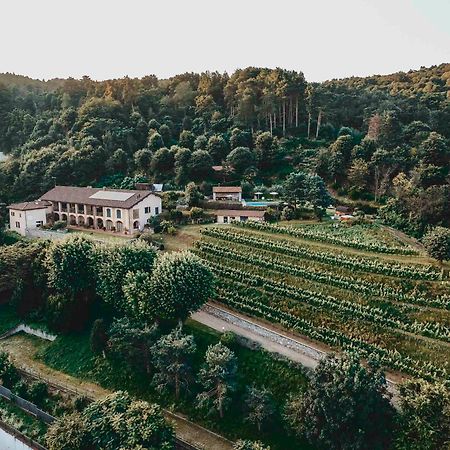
{"x": 260, "y": 203}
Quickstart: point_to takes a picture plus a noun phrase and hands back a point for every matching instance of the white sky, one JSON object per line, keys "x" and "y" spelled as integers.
{"x": 323, "y": 38}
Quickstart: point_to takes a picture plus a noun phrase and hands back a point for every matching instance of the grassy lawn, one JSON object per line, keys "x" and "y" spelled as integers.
{"x": 184, "y": 238}
{"x": 72, "y": 355}
{"x": 102, "y": 236}
{"x": 8, "y": 318}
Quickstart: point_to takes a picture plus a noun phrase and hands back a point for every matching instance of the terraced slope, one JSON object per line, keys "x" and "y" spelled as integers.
{"x": 395, "y": 309}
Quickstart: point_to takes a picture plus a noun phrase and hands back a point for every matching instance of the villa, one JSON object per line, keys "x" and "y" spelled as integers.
{"x": 118, "y": 210}
{"x": 228, "y": 193}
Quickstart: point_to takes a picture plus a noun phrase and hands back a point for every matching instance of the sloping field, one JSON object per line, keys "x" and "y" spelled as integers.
{"x": 337, "y": 289}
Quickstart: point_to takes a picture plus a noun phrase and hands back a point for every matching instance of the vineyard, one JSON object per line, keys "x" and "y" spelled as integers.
{"x": 380, "y": 307}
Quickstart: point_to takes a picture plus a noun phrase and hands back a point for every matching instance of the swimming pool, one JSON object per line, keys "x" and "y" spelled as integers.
{"x": 260, "y": 203}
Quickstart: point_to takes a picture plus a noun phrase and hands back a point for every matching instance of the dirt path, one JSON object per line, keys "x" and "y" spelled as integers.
{"x": 272, "y": 339}
{"x": 23, "y": 349}
{"x": 414, "y": 243}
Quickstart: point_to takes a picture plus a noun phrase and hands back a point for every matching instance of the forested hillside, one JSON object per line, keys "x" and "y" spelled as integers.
{"x": 382, "y": 139}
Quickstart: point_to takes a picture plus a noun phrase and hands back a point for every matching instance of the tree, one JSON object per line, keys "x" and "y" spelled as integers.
{"x": 217, "y": 376}
{"x": 437, "y": 243}
{"x": 317, "y": 194}
{"x": 166, "y": 134}
{"x": 346, "y": 406}
{"x": 114, "y": 422}
{"x": 240, "y": 159}
{"x": 162, "y": 161}
{"x": 155, "y": 140}
{"x": 192, "y": 195}
{"x": 240, "y": 138}
{"x": 8, "y": 373}
{"x": 435, "y": 151}
{"x": 69, "y": 432}
{"x": 260, "y": 409}
{"x": 200, "y": 165}
{"x": 141, "y": 303}
{"x": 182, "y": 159}
{"x": 390, "y": 131}
{"x": 118, "y": 162}
{"x": 98, "y": 338}
{"x": 425, "y": 416}
{"x": 171, "y": 356}
{"x": 113, "y": 262}
{"x": 264, "y": 150}
{"x": 196, "y": 213}
{"x": 71, "y": 278}
{"x": 358, "y": 174}
{"x": 217, "y": 148}
{"x": 249, "y": 445}
{"x": 131, "y": 340}
{"x": 343, "y": 146}
{"x": 187, "y": 139}
{"x": 301, "y": 187}
{"x": 182, "y": 284}
{"x": 201, "y": 143}
{"x": 70, "y": 266}
{"x": 143, "y": 159}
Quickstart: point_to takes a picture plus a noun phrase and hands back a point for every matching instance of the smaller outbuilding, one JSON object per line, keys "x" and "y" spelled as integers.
{"x": 227, "y": 193}
{"x": 239, "y": 215}
{"x": 29, "y": 215}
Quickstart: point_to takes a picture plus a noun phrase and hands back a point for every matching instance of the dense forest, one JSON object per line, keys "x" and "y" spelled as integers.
{"x": 379, "y": 140}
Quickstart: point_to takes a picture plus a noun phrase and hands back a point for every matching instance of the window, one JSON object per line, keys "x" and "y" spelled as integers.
{"x": 135, "y": 214}
{"x": 147, "y": 210}
{"x": 108, "y": 212}
{"x": 17, "y": 224}
{"x": 225, "y": 219}
{"x": 156, "y": 210}
{"x": 39, "y": 223}
{"x": 119, "y": 214}
{"x": 13, "y": 213}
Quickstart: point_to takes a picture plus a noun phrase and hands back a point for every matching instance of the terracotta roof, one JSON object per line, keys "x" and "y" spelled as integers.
{"x": 343, "y": 209}
{"x": 28, "y": 206}
{"x": 239, "y": 213}
{"x": 223, "y": 189}
{"x": 70, "y": 194}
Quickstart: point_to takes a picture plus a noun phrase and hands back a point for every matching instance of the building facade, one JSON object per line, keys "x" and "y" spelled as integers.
{"x": 227, "y": 193}
{"x": 121, "y": 211}
{"x": 29, "y": 216}
{"x": 239, "y": 215}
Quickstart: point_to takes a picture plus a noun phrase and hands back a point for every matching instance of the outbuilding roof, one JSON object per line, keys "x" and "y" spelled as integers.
{"x": 29, "y": 206}
{"x": 225, "y": 189}
{"x": 239, "y": 213}
{"x": 115, "y": 198}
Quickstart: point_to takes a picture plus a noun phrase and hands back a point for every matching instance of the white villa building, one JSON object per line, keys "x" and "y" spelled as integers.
{"x": 121, "y": 211}
{"x": 228, "y": 193}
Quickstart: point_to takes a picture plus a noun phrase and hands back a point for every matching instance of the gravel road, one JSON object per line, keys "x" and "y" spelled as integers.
{"x": 290, "y": 346}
